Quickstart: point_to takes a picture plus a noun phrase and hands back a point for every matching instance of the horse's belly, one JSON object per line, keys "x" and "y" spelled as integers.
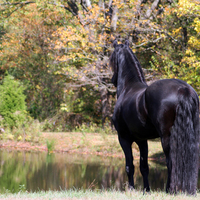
{"x": 143, "y": 132}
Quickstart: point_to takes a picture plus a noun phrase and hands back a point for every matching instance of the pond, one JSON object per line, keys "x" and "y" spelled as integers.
{"x": 36, "y": 171}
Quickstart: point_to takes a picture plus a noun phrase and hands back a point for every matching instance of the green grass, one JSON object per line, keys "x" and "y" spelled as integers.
{"x": 97, "y": 195}
{"x": 50, "y": 145}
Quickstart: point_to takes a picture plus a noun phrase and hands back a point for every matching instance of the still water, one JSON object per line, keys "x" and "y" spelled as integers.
{"x": 33, "y": 171}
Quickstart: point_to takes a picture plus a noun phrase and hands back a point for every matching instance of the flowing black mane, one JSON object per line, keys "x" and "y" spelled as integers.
{"x": 124, "y": 57}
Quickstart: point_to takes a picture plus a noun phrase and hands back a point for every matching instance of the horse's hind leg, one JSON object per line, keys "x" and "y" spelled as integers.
{"x": 165, "y": 145}
{"x": 126, "y": 146}
{"x": 144, "y": 168}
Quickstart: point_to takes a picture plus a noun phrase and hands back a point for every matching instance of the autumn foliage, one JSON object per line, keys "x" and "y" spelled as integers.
{"x": 60, "y": 49}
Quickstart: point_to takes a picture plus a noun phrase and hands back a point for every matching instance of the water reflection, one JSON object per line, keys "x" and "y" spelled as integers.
{"x": 39, "y": 171}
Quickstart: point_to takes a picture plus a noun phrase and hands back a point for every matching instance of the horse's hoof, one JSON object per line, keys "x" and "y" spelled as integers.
{"x": 131, "y": 188}
{"x": 146, "y": 191}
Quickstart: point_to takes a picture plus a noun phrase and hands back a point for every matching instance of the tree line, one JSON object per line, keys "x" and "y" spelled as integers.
{"x": 59, "y": 50}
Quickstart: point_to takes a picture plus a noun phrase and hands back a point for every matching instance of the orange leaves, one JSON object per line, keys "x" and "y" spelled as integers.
{"x": 27, "y": 34}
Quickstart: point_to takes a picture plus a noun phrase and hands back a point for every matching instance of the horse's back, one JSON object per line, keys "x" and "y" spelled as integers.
{"x": 166, "y": 91}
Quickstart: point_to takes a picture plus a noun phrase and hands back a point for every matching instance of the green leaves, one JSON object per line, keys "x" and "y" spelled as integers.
{"x": 12, "y": 102}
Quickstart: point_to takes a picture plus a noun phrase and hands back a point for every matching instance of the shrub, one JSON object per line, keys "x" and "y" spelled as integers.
{"x": 12, "y": 103}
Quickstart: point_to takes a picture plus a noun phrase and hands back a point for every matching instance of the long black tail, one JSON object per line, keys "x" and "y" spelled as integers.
{"x": 184, "y": 143}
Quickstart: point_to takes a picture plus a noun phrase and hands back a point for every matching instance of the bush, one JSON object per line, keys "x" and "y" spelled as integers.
{"x": 12, "y": 103}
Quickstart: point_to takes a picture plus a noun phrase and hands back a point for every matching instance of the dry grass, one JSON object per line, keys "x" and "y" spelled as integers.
{"x": 97, "y": 195}
{"x": 82, "y": 143}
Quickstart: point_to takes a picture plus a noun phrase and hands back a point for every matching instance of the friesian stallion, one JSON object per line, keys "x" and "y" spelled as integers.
{"x": 168, "y": 109}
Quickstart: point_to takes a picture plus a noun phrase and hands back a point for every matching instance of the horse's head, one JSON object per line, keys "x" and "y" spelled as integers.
{"x": 114, "y": 59}
{"x": 125, "y": 65}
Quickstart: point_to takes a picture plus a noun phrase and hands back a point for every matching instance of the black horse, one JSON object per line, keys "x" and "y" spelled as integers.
{"x": 168, "y": 109}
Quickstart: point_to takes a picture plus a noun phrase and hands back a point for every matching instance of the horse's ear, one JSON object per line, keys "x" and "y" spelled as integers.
{"x": 115, "y": 43}
{"x": 127, "y": 43}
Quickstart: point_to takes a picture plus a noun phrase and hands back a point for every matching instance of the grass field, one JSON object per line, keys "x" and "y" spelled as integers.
{"x": 97, "y": 195}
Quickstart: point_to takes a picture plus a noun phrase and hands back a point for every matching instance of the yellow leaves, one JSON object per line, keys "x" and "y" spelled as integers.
{"x": 64, "y": 107}
{"x": 187, "y": 7}
{"x": 197, "y": 25}
{"x": 83, "y": 88}
{"x": 189, "y": 52}
{"x": 176, "y": 31}
{"x": 171, "y": 76}
{"x": 191, "y": 63}
{"x": 192, "y": 60}
{"x": 194, "y": 42}
{"x": 79, "y": 41}
{"x": 190, "y": 9}
{"x": 101, "y": 20}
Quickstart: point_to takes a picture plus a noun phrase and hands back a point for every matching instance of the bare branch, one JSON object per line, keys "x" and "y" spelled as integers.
{"x": 21, "y": 4}
{"x": 17, "y": 3}
{"x": 8, "y": 15}
{"x": 151, "y": 30}
{"x": 147, "y": 42}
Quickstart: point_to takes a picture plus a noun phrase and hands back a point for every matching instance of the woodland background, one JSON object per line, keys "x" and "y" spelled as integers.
{"x": 54, "y": 56}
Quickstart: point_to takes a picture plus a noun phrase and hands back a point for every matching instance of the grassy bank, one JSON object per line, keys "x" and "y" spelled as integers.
{"x": 97, "y": 195}
{"x": 81, "y": 143}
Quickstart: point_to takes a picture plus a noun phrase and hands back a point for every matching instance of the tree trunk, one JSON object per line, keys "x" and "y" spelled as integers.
{"x": 88, "y": 3}
{"x": 153, "y": 6}
{"x": 114, "y": 19}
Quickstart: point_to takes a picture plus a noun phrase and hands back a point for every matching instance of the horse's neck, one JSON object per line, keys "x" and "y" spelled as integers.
{"x": 129, "y": 79}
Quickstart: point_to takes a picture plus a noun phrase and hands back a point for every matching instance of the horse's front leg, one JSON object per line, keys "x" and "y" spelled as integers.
{"x": 144, "y": 167}
{"x": 126, "y": 146}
